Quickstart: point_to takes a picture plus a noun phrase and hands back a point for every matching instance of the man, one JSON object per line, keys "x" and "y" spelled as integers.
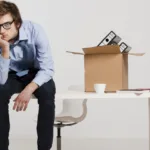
{"x": 26, "y": 67}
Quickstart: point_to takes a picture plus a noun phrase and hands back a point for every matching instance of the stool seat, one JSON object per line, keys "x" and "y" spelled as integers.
{"x": 73, "y": 112}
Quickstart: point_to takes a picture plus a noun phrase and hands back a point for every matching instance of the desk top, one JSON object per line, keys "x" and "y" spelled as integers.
{"x": 88, "y": 95}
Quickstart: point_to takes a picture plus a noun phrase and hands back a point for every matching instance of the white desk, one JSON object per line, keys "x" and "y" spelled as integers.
{"x": 84, "y": 95}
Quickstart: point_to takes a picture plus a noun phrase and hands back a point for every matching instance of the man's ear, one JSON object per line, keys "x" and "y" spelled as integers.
{"x": 18, "y": 25}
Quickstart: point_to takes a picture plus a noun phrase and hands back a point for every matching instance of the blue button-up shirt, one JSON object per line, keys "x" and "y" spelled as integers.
{"x": 31, "y": 50}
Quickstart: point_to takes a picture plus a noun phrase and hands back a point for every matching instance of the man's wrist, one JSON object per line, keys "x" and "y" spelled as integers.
{"x": 32, "y": 87}
{"x": 5, "y": 52}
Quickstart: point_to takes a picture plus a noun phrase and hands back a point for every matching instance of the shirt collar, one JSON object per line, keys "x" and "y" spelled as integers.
{"x": 22, "y": 34}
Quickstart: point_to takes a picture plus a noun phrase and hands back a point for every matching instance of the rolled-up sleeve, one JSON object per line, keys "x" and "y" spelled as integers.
{"x": 43, "y": 61}
{"x": 4, "y": 69}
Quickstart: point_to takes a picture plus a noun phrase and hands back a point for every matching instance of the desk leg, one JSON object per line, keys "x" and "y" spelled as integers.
{"x": 149, "y": 123}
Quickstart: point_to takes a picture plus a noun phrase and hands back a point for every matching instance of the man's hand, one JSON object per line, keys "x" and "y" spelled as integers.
{"x": 22, "y": 100}
{"x": 4, "y": 45}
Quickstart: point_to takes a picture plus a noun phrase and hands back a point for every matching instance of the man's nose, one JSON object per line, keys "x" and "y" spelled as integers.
{"x": 2, "y": 30}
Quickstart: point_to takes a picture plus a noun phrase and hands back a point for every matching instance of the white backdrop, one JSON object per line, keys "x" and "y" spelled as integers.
{"x": 74, "y": 24}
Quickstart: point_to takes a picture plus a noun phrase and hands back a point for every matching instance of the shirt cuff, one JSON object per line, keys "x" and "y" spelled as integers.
{"x": 38, "y": 81}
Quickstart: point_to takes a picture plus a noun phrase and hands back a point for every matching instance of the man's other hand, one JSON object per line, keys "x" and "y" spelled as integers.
{"x": 22, "y": 100}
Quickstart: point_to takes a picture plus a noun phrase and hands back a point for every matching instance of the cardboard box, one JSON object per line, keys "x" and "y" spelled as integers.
{"x": 106, "y": 64}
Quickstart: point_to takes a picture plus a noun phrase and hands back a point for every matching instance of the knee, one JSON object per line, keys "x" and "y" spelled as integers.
{"x": 46, "y": 98}
{"x": 5, "y": 94}
{"x": 46, "y": 93}
{"x": 47, "y": 102}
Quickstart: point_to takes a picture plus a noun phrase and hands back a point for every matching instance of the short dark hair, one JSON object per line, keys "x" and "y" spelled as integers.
{"x": 9, "y": 7}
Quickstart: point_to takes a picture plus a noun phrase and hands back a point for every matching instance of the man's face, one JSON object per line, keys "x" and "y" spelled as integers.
{"x": 8, "y": 28}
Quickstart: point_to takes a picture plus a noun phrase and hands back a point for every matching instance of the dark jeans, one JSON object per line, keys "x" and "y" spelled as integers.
{"x": 46, "y": 100}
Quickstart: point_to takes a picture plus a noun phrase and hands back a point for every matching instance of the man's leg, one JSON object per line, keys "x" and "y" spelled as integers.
{"x": 46, "y": 100}
{"x": 6, "y": 91}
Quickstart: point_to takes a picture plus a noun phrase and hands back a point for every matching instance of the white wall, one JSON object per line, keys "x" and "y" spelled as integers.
{"x": 74, "y": 24}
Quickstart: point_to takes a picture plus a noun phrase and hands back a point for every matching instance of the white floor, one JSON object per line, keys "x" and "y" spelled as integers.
{"x": 85, "y": 144}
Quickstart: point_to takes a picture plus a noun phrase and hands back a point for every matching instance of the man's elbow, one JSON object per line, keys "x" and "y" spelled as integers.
{"x": 2, "y": 82}
{"x": 3, "y": 77}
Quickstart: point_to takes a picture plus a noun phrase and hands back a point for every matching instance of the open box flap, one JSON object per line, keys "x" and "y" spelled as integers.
{"x": 134, "y": 54}
{"x": 109, "y": 49}
{"x": 77, "y": 53}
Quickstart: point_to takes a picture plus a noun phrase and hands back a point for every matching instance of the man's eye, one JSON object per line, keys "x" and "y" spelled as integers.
{"x": 6, "y": 24}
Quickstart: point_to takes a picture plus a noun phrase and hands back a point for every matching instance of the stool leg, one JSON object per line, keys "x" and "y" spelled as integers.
{"x": 58, "y": 138}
